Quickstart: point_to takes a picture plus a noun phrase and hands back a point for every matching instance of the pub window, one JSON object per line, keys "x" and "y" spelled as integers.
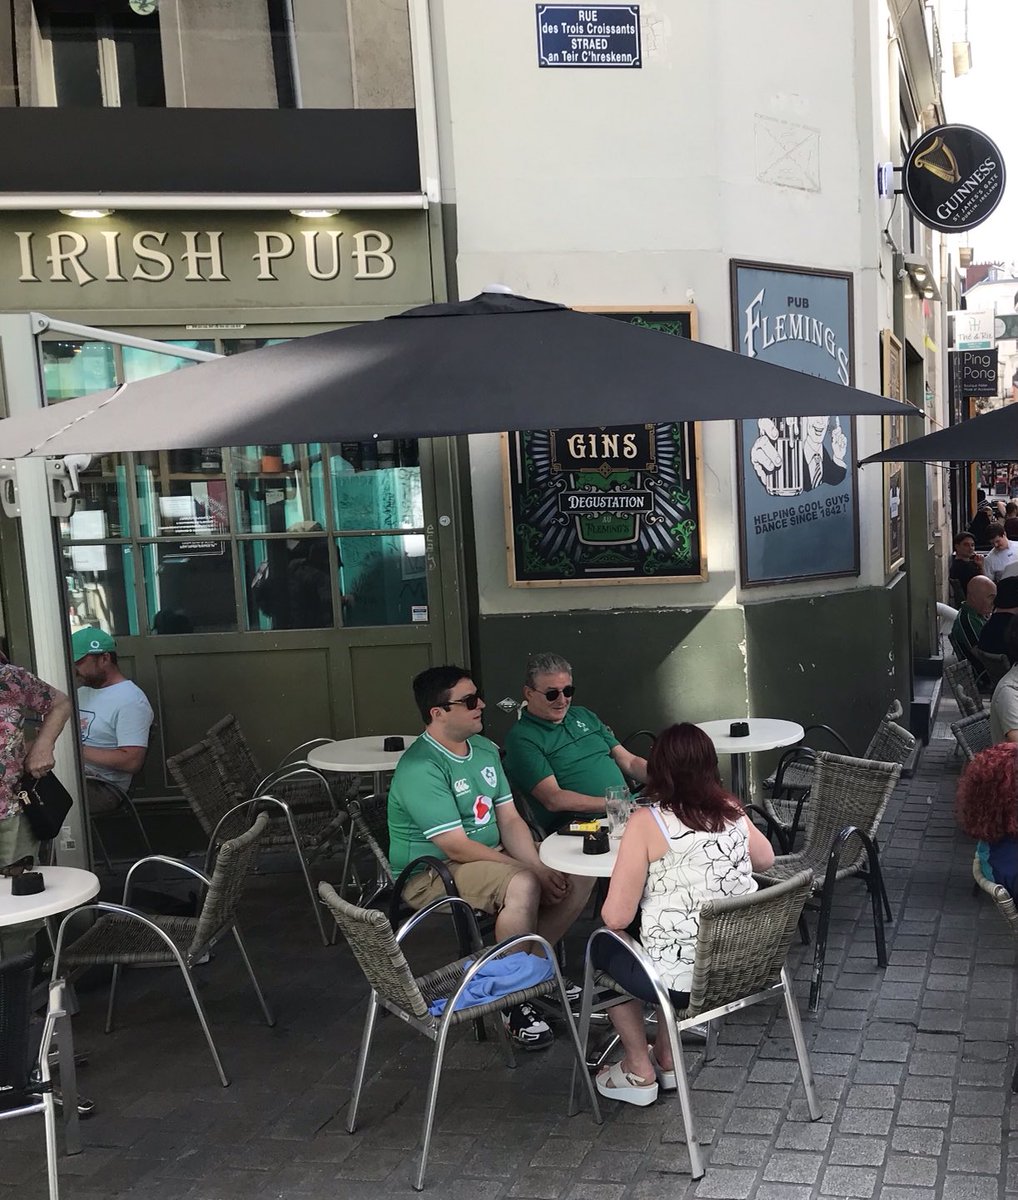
{"x": 100, "y": 54}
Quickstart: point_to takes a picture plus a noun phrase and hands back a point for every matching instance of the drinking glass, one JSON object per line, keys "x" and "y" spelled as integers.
{"x": 617, "y": 807}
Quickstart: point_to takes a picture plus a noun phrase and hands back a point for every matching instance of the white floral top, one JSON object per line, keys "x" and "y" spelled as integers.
{"x": 697, "y": 867}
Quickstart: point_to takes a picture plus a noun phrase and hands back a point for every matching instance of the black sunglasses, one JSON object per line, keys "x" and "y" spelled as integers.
{"x": 552, "y": 694}
{"x": 469, "y": 702}
{"x": 18, "y": 868}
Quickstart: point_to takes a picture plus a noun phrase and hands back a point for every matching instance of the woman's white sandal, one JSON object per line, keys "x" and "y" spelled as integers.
{"x": 666, "y": 1079}
{"x": 617, "y": 1084}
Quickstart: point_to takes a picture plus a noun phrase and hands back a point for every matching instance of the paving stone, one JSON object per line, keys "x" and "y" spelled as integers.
{"x": 909, "y": 1170}
{"x": 796, "y": 1135}
{"x": 871, "y": 1097}
{"x": 866, "y": 1120}
{"x": 970, "y": 1187}
{"x": 792, "y": 1167}
{"x": 924, "y": 1112}
{"x": 979, "y": 1159}
{"x": 725, "y": 1183}
{"x": 858, "y": 1151}
{"x": 976, "y": 1129}
{"x": 848, "y": 1181}
{"x": 737, "y": 1150}
{"x": 753, "y": 1120}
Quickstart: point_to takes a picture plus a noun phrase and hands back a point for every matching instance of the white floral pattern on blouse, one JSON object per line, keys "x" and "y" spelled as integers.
{"x": 697, "y": 867}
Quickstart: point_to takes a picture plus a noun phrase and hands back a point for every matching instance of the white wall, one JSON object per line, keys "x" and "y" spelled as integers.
{"x": 751, "y": 131}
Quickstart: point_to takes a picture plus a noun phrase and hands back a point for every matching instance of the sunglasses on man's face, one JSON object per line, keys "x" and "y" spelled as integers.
{"x": 552, "y": 694}
{"x": 18, "y": 868}
{"x": 469, "y": 702}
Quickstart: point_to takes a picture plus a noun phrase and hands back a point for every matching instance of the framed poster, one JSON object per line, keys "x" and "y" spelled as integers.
{"x": 604, "y": 505}
{"x": 798, "y": 502}
{"x": 892, "y": 374}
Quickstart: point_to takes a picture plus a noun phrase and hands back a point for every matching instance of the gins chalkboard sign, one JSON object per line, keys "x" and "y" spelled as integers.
{"x": 611, "y": 504}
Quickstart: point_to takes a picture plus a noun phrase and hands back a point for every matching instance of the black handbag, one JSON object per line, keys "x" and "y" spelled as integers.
{"x": 45, "y": 803}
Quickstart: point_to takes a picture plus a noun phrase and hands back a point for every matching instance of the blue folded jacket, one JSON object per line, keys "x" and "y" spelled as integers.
{"x": 499, "y": 977}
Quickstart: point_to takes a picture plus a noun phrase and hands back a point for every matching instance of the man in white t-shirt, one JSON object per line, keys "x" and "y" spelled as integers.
{"x": 115, "y": 713}
{"x": 1003, "y": 554}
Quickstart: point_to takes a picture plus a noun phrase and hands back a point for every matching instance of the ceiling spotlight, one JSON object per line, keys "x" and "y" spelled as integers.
{"x": 929, "y": 293}
{"x": 314, "y": 214}
{"x": 87, "y": 214}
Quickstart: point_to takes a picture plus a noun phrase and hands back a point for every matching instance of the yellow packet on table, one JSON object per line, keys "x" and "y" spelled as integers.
{"x": 585, "y": 826}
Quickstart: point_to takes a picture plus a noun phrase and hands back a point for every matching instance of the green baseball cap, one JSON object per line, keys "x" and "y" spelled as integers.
{"x": 90, "y": 640}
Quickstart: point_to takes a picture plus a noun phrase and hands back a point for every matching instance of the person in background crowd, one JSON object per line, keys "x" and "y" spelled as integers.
{"x": 693, "y": 843}
{"x": 1002, "y": 554}
{"x": 1005, "y": 605}
{"x": 116, "y": 716}
{"x": 972, "y": 618}
{"x": 980, "y": 524}
{"x": 986, "y": 810}
{"x": 966, "y": 564}
{"x": 23, "y": 697}
{"x": 563, "y": 756}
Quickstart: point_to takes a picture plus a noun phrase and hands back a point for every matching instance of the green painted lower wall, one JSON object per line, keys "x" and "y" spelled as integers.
{"x": 838, "y": 659}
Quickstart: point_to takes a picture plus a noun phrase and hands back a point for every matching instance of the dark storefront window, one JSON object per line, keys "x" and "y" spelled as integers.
{"x": 259, "y": 537}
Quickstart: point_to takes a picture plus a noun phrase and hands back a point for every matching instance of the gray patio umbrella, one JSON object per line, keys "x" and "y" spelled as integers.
{"x": 994, "y": 435}
{"x": 497, "y": 362}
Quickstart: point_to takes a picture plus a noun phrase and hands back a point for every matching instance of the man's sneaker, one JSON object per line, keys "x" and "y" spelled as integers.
{"x": 574, "y": 993}
{"x": 526, "y": 1027}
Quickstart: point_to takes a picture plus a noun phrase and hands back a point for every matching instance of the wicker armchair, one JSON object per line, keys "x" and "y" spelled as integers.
{"x": 741, "y": 949}
{"x": 1004, "y": 901}
{"x": 961, "y": 679}
{"x": 394, "y": 987}
{"x": 223, "y": 811}
{"x": 973, "y": 734}
{"x": 293, "y": 780}
{"x": 996, "y": 665}
{"x": 789, "y": 786}
{"x": 125, "y": 937}
{"x": 25, "y": 1086}
{"x": 847, "y": 802}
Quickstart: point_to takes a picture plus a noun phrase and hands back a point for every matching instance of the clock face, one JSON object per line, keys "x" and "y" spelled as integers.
{"x": 143, "y": 7}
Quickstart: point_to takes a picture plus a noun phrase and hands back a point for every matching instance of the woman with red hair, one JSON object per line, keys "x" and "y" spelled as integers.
{"x": 986, "y": 806}
{"x": 693, "y": 843}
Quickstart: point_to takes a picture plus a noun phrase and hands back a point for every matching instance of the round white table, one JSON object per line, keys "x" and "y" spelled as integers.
{"x": 66, "y": 888}
{"x": 765, "y": 733}
{"x": 360, "y": 756}
{"x": 564, "y": 852}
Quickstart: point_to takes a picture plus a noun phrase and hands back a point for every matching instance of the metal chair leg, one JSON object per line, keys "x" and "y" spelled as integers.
{"x": 685, "y": 1099}
{"x": 97, "y": 840}
{"x": 362, "y": 1063}
{"x": 316, "y": 908}
{"x": 67, "y": 1069}
{"x": 141, "y": 828}
{"x": 710, "y": 1047}
{"x": 801, "y": 1053}
{"x": 431, "y": 1103}
{"x": 114, "y": 979}
{"x": 506, "y": 1038}
{"x": 578, "y": 1050}
{"x": 583, "y": 1032}
{"x": 203, "y": 1021}
{"x": 270, "y": 1020}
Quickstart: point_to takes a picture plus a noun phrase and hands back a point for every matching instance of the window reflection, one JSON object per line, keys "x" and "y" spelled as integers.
{"x": 77, "y": 368}
{"x": 100, "y": 587}
{"x": 181, "y": 492}
{"x": 377, "y": 485}
{"x": 101, "y": 511}
{"x": 383, "y": 579}
{"x": 277, "y": 486}
{"x": 288, "y": 582}
{"x": 143, "y": 364}
{"x": 189, "y": 586}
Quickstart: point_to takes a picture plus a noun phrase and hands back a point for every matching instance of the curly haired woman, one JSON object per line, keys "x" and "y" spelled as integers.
{"x": 986, "y": 806}
{"x": 693, "y": 843}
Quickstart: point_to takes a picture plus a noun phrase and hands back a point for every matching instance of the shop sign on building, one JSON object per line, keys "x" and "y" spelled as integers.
{"x": 977, "y": 373}
{"x": 953, "y": 178}
{"x": 574, "y": 35}
{"x": 798, "y": 502}
{"x": 972, "y": 330}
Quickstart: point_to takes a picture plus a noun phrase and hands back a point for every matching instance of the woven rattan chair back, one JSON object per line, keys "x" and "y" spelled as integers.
{"x": 846, "y": 791}
{"x": 369, "y": 821}
{"x": 235, "y": 754}
{"x": 15, "y": 1012}
{"x": 961, "y": 679}
{"x": 229, "y": 877}
{"x": 743, "y": 942}
{"x": 207, "y": 792}
{"x": 973, "y": 734}
{"x": 891, "y": 743}
{"x": 997, "y": 665}
{"x": 999, "y": 894}
{"x": 374, "y": 945}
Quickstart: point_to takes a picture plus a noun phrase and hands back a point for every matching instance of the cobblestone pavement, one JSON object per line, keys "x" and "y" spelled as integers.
{"x": 912, "y": 1066}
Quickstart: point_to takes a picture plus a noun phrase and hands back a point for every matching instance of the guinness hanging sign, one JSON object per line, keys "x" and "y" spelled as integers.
{"x": 953, "y": 178}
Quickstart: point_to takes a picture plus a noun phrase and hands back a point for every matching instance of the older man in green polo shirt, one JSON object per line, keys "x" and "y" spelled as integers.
{"x": 563, "y": 756}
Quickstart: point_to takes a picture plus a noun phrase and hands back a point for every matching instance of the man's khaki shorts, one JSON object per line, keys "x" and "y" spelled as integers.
{"x": 482, "y": 884}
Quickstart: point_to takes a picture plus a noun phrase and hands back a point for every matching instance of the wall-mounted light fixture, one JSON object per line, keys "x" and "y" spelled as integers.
{"x": 87, "y": 214}
{"x": 314, "y": 214}
{"x": 919, "y": 271}
{"x": 961, "y": 55}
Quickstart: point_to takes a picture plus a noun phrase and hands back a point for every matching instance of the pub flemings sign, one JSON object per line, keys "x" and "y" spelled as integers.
{"x": 953, "y": 178}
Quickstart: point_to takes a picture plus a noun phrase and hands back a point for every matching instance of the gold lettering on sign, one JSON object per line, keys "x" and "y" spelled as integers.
{"x": 214, "y": 255}
{"x": 311, "y": 252}
{"x": 379, "y": 253}
{"x": 28, "y": 274}
{"x": 58, "y": 257}
{"x": 602, "y": 445}
{"x": 147, "y": 253}
{"x": 112, "y": 239}
{"x": 265, "y": 255}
